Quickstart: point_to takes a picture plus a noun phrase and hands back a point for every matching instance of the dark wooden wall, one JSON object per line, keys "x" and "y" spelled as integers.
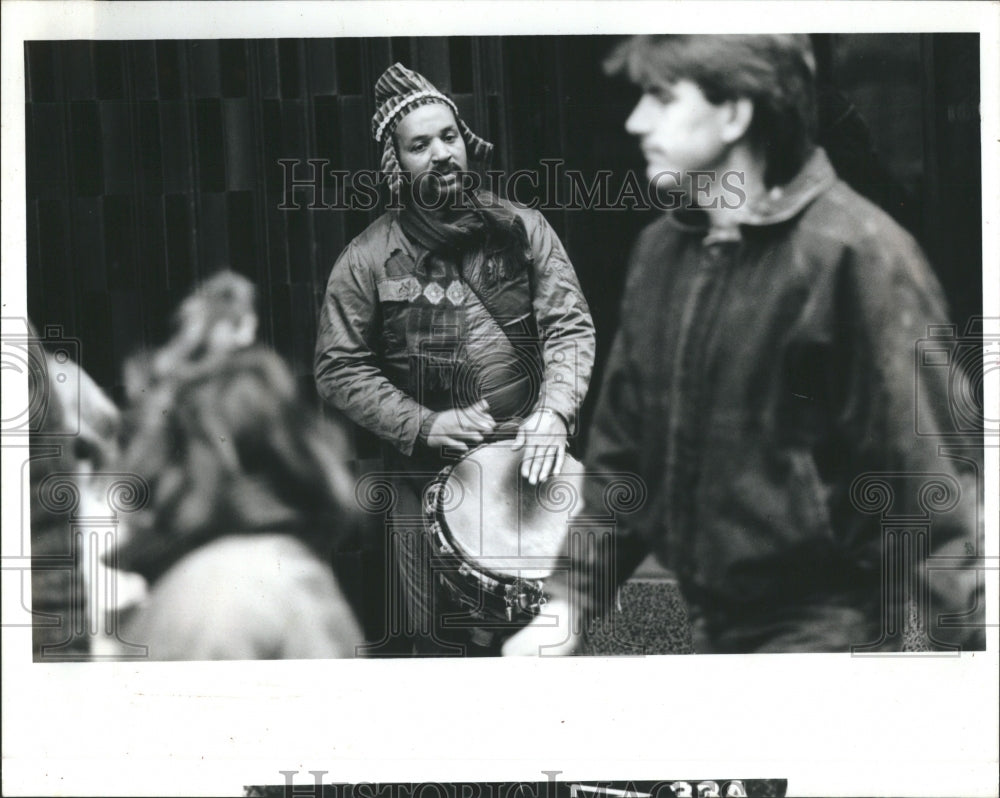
{"x": 151, "y": 164}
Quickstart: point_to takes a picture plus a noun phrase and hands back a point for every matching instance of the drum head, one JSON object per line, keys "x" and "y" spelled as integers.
{"x": 502, "y": 522}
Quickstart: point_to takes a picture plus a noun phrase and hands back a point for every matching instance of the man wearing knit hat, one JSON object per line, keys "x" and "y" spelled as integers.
{"x": 454, "y": 319}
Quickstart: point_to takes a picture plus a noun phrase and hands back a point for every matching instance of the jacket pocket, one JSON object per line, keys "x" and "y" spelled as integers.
{"x": 395, "y": 295}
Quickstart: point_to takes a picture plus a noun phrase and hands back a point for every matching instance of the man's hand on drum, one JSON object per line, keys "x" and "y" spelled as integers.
{"x": 463, "y": 427}
{"x": 543, "y": 437}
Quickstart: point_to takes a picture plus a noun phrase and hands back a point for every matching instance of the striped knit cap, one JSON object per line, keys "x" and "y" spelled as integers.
{"x": 398, "y": 91}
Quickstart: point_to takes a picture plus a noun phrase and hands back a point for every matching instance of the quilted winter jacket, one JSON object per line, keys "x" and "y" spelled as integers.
{"x": 366, "y": 352}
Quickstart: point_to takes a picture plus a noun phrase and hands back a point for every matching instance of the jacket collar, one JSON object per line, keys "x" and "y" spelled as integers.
{"x": 780, "y": 204}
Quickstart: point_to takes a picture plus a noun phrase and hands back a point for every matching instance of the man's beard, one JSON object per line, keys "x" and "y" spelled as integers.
{"x": 440, "y": 191}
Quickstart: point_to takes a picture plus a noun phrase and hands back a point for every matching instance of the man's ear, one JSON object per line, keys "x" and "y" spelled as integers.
{"x": 737, "y": 122}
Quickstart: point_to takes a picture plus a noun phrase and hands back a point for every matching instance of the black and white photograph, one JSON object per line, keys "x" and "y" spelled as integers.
{"x": 422, "y": 392}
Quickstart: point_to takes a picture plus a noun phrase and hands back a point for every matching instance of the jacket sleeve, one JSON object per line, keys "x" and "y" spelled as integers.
{"x": 346, "y": 368}
{"x": 909, "y": 405}
{"x": 605, "y": 542}
{"x": 564, "y": 322}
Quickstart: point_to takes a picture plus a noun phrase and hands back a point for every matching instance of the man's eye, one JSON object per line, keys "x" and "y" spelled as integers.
{"x": 450, "y": 137}
{"x": 417, "y": 147}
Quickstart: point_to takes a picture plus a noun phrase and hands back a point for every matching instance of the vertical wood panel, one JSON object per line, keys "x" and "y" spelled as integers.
{"x": 267, "y": 62}
{"x": 88, "y": 252}
{"x": 238, "y": 145}
{"x": 152, "y": 264}
{"x": 141, "y": 65}
{"x": 461, "y": 64}
{"x": 270, "y": 144}
{"x": 119, "y": 242}
{"x": 149, "y": 145}
{"x": 178, "y": 166}
{"x": 213, "y": 234}
{"x": 40, "y": 72}
{"x": 327, "y": 131}
{"x": 303, "y": 328}
{"x": 210, "y": 145}
{"x": 277, "y": 240}
{"x": 203, "y": 66}
{"x": 34, "y": 266}
{"x": 78, "y": 70}
{"x": 109, "y": 70}
{"x": 86, "y": 148}
{"x": 262, "y": 234}
{"x": 242, "y": 242}
{"x": 281, "y": 311}
{"x": 180, "y": 241}
{"x": 432, "y": 59}
{"x": 290, "y": 69}
{"x": 46, "y": 177}
{"x": 321, "y": 66}
{"x": 956, "y": 120}
{"x": 97, "y": 353}
{"x": 168, "y": 70}
{"x": 300, "y": 246}
{"x": 348, "y": 62}
{"x": 54, "y": 253}
{"x": 233, "y": 76}
{"x": 126, "y": 318}
{"x": 118, "y": 165}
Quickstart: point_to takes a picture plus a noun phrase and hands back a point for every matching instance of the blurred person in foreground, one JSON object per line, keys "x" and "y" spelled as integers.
{"x": 73, "y": 427}
{"x": 764, "y": 385}
{"x": 218, "y": 317}
{"x": 454, "y": 319}
{"x": 247, "y": 493}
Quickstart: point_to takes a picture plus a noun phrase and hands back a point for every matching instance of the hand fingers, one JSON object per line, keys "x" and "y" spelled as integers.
{"x": 532, "y": 463}
{"x": 485, "y": 424}
{"x": 450, "y": 441}
{"x": 548, "y": 463}
{"x": 560, "y": 459}
{"x": 526, "y": 460}
{"x": 477, "y": 420}
{"x": 541, "y": 465}
{"x": 469, "y": 435}
{"x": 480, "y": 411}
{"x": 468, "y": 427}
{"x": 543, "y": 462}
{"x": 520, "y": 440}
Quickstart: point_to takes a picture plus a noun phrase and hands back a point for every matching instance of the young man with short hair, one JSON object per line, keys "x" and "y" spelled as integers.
{"x": 763, "y": 383}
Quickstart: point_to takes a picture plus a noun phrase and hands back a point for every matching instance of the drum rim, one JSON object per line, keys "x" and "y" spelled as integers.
{"x": 435, "y": 519}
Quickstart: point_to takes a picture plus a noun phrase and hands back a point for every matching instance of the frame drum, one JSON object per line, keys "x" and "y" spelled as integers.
{"x": 495, "y": 536}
